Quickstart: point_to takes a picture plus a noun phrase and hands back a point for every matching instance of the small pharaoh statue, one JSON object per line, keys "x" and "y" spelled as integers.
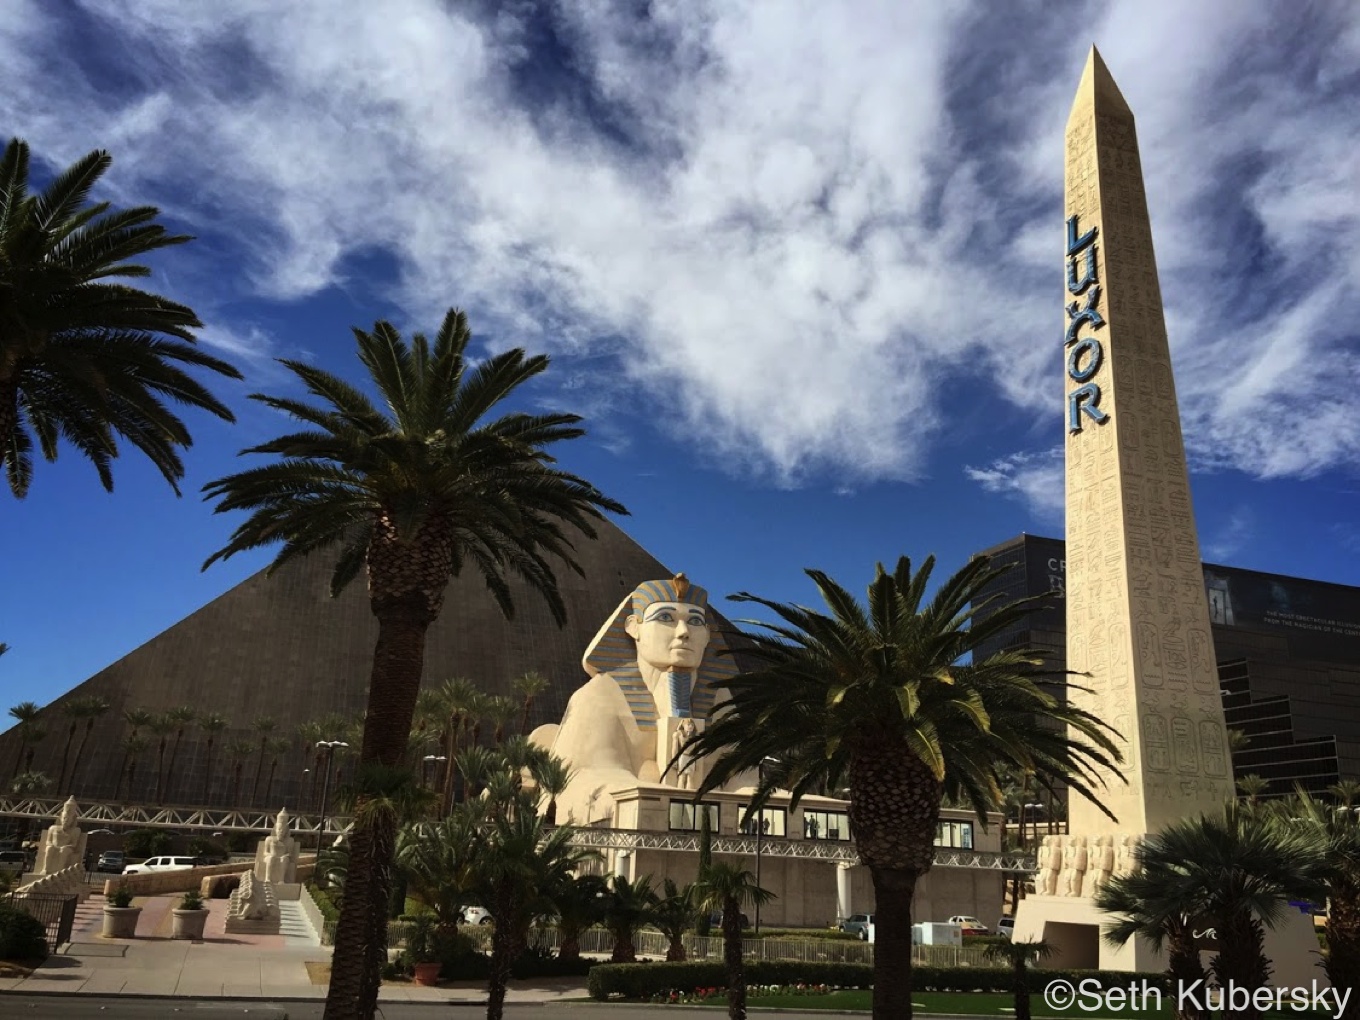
{"x": 1075, "y": 858}
{"x": 276, "y": 859}
{"x": 685, "y": 765}
{"x": 1124, "y": 860}
{"x": 1050, "y": 864}
{"x": 1102, "y": 864}
{"x": 63, "y": 844}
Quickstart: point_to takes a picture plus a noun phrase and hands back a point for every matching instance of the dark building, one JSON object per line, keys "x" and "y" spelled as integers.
{"x": 1288, "y": 653}
{"x": 281, "y": 647}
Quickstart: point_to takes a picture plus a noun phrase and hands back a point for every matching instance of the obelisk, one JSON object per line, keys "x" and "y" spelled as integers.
{"x": 1137, "y": 613}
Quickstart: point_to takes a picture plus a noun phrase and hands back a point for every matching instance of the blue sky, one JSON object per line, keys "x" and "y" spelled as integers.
{"x": 798, "y": 264}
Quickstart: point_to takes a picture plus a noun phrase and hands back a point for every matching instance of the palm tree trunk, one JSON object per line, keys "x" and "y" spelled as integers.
{"x": 732, "y": 960}
{"x": 503, "y": 956}
{"x": 80, "y": 752}
{"x": 361, "y": 935}
{"x": 174, "y": 753}
{"x": 624, "y": 949}
{"x": 570, "y": 949}
{"x": 269, "y": 786}
{"x": 236, "y": 787}
{"x": 1241, "y": 959}
{"x": 675, "y": 952}
{"x": 893, "y": 892}
{"x": 207, "y": 771}
{"x": 19, "y": 758}
{"x": 316, "y": 771}
{"x": 65, "y": 753}
{"x": 259, "y": 774}
{"x": 1184, "y": 967}
{"x": 1342, "y": 959}
{"x": 160, "y": 771}
{"x": 1020, "y": 986}
{"x": 524, "y": 719}
{"x": 132, "y": 776}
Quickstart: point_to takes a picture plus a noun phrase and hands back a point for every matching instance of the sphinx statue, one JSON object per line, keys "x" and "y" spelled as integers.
{"x": 654, "y": 667}
{"x": 63, "y": 844}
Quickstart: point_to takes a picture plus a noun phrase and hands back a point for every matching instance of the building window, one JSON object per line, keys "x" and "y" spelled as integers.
{"x": 772, "y": 821}
{"x": 826, "y": 825}
{"x": 955, "y": 834}
{"x": 686, "y": 817}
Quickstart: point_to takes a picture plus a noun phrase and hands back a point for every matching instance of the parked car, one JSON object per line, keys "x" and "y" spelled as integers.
{"x": 111, "y": 860}
{"x": 477, "y": 915}
{"x": 970, "y": 925}
{"x": 1005, "y": 927}
{"x": 858, "y": 924}
{"x": 154, "y": 864}
{"x": 13, "y": 860}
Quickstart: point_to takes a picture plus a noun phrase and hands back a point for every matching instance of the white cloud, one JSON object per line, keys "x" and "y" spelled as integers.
{"x": 1225, "y": 539}
{"x": 1036, "y": 479}
{"x": 787, "y": 256}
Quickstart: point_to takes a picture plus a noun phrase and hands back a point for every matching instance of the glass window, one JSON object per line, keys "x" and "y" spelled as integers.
{"x": 685, "y": 817}
{"x": 826, "y": 825}
{"x": 955, "y": 834}
{"x": 772, "y": 821}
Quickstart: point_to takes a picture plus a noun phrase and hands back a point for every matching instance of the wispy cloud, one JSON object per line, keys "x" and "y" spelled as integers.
{"x": 786, "y": 224}
{"x": 1036, "y": 479}
{"x": 1225, "y": 538}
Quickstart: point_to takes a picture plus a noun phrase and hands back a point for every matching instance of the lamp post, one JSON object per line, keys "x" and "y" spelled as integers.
{"x": 330, "y": 746}
{"x": 425, "y": 767}
{"x": 760, "y": 828}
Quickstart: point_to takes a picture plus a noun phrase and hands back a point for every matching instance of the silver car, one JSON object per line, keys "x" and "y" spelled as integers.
{"x": 858, "y": 924}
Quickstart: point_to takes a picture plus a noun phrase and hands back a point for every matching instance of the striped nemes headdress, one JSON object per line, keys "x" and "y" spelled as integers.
{"x": 613, "y": 651}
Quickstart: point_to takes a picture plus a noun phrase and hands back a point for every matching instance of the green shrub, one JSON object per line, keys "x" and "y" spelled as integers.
{"x": 121, "y": 896}
{"x": 191, "y": 900}
{"x": 802, "y": 934}
{"x": 202, "y": 846}
{"x": 147, "y": 843}
{"x": 22, "y": 936}
{"x": 643, "y": 980}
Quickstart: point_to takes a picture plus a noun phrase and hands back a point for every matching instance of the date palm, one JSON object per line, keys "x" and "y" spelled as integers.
{"x": 26, "y": 714}
{"x": 476, "y": 765}
{"x": 76, "y": 711}
{"x": 1020, "y": 957}
{"x": 238, "y": 753}
{"x": 885, "y": 699}
{"x": 412, "y": 494}
{"x": 134, "y": 745}
{"x": 674, "y": 914}
{"x": 628, "y": 905}
{"x": 136, "y": 719}
{"x": 499, "y": 711}
{"x": 731, "y": 889}
{"x": 578, "y": 902}
{"x": 161, "y": 727}
{"x": 528, "y": 687}
{"x": 552, "y": 775}
{"x": 82, "y": 358}
{"x": 276, "y": 747}
{"x": 95, "y": 707}
{"x": 183, "y": 717}
{"x": 456, "y": 697}
{"x": 212, "y": 725}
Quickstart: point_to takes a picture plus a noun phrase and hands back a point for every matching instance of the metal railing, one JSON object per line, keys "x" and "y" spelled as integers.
{"x": 57, "y": 914}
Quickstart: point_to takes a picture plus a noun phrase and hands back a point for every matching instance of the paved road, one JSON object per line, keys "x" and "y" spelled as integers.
{"x": 124, "y": 1007}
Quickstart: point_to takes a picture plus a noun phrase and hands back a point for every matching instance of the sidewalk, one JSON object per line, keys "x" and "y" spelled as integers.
{"x": 222, "y": 966}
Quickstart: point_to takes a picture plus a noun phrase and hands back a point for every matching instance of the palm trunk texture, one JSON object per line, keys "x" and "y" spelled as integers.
{"x": 1185, "y": 967}
{"x": 504, "y": 952}
{"x": 65, "y": 754}
{"x": 80, "y": 755}
{"x": 361, "y": 936}
{"x": 207, "y": 773}
{"x": 1020, "y": 986}
{"x": 1342, "y": 959}
{"x": 732, "y": 961}
{"x": 1241, "y": 957}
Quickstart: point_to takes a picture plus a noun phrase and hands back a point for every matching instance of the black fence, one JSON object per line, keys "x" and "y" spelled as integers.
{"x": 56, "y": 913}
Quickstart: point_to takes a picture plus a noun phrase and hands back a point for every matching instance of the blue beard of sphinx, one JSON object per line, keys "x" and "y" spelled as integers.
{"x": 679, "y": 688}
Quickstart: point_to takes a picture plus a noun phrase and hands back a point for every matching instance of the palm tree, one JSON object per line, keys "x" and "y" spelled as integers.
{"x": 95, "y": 706}
{"x": 276, "y": 746}
{"x": 456, "y": 696}
{"x": 674, "y": 914}
{"x": 437, "y": 861}
{"x": 552, "y": 776}
{"x": 211, "y": 724}
{"x": 1335, "y": 830}
{"x": 76, "y": 710}
{"x": 27, "y": 784}
{"x": 310, "y": 734}
{"x": 1143, "y": 909}
{"x": 264, "y": 726}
{"x": 499, "y": 711}
{"x": 133, "y": 747}
{"x": 731, "y": 889}
{"x": 882, "y": 700}
{"x": 529, "y": 686}
{"x": 476, "y": 765}
{"x": 238, "y": 751}
{"x": 518, "y": 864}
{"x": 1233, "y": 872}
{"x": 1251, "y": 787}
{"x": 183, "y": 717}
{"x": 1021, "y": 956}
{"x": 136, "y": 718}
{"x": 627, "y": 907}
{"x": 578, "y": 901}
{"x": 522, "y": 755}
{"x": 84, "y": 359}
{"x": 413, "y": 494}
{"x": 26, "y": 712}
{"x": 161, "y": 727}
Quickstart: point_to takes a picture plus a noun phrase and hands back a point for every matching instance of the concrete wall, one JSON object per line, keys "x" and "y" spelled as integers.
{"x": 162, "y": 882}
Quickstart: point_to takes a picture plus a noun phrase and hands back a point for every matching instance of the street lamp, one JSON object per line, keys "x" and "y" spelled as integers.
{"x": 760, "y": 828}
{"x": 330, "y": 746}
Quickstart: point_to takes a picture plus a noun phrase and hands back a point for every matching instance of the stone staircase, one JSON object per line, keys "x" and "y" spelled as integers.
{"x": 267, "y": 923}
{"x": 294, "y": 925}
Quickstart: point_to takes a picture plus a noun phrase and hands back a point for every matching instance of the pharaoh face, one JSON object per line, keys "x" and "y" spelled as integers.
{"x": 670, "y": 635}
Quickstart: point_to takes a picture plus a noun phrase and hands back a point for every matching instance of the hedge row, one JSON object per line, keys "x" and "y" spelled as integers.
{"x": 643, "y": 980}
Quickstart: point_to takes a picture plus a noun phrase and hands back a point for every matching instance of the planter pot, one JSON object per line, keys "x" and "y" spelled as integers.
{"x": 188, "y": 924}
{"x": 427, "y": 973}
{"x": 121, "y": 922}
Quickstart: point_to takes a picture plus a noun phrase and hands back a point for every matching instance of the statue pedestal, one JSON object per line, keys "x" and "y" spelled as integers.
{"x": 1072, "y": 925}
{"x": 276, "y": 857}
